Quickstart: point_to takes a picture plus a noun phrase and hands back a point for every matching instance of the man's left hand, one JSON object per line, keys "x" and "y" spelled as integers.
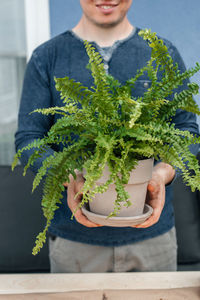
{"x": 162, "y": 175}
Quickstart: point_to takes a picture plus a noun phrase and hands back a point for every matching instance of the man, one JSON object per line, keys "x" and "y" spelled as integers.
{"x": 81, "y": 245}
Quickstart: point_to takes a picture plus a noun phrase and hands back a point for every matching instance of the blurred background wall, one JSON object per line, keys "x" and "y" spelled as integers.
{"x": 12, "y": 64}
{"x": 23, "y": 25}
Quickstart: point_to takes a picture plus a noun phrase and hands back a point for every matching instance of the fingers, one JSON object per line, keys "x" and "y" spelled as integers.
{"x": 153, "y": 219}
{"x": 156, "y": 199}
{"x": 79, "y": 216}
{"x": 79, "y": 177}
{"x": 82, "y": 219}
{"x": 65, "y": 184}
{"x": 150, "y": 187}
{"x": 74, "y": 199}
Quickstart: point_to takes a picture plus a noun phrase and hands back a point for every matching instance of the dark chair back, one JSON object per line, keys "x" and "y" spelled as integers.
{"x": 21, "y": 220}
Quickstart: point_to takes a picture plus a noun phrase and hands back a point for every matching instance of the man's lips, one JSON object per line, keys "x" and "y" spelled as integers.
{"x": 106, "y": 3}
{"x": 106, "y": 8}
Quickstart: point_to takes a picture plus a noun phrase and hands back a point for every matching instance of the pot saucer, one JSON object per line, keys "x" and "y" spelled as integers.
{"x": 118, "y": 221}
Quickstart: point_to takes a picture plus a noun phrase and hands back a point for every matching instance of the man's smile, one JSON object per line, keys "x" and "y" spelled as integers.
{"x": 106, "y": 8}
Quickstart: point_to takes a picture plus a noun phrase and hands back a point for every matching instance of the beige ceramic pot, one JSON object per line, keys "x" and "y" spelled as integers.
{"x": 103, "y": 204}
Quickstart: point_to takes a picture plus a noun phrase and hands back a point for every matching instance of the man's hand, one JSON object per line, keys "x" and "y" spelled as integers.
{"x": 162, "y": 175}
{"x": 73, "y": 187}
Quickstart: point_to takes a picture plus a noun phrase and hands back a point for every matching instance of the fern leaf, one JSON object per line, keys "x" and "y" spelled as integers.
{"x": 72, "y": 91}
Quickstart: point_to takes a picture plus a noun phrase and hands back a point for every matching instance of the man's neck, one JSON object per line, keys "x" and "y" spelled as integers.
{"x": 103, "y": 36}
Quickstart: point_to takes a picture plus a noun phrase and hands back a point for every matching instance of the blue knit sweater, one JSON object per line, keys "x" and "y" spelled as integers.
{"x": 65, "y": 55}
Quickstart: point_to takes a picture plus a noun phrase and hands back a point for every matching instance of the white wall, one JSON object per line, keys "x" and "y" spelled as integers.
{"x": 37, "y": 23}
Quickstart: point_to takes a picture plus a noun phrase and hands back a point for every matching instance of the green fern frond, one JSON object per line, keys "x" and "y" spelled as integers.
{"x": 160, "y": 53}
{"x": 137, "y": 111}
{"x": 183, "y": 100}
{"x": 105, "y": 126}
{"x": 64, "y": 110}
{"x": 39, "y": 143}
{"x": 71, "y": 91}
{"x": 97, "y": 67}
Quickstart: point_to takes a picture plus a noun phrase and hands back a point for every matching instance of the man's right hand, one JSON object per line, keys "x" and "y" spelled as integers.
{"x": 73, "y": 187}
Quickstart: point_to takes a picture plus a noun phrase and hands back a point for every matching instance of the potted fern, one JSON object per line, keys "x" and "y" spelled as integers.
{"x": 115, "y": 132}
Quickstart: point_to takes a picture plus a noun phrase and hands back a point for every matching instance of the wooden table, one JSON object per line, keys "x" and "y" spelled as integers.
{"x": 102, "y": 286}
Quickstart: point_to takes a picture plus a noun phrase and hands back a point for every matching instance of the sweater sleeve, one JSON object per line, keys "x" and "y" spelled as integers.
{"x": 36, "y": 93}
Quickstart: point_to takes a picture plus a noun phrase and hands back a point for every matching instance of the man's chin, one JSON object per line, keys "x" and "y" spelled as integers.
{"x": 107, "y": 24}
